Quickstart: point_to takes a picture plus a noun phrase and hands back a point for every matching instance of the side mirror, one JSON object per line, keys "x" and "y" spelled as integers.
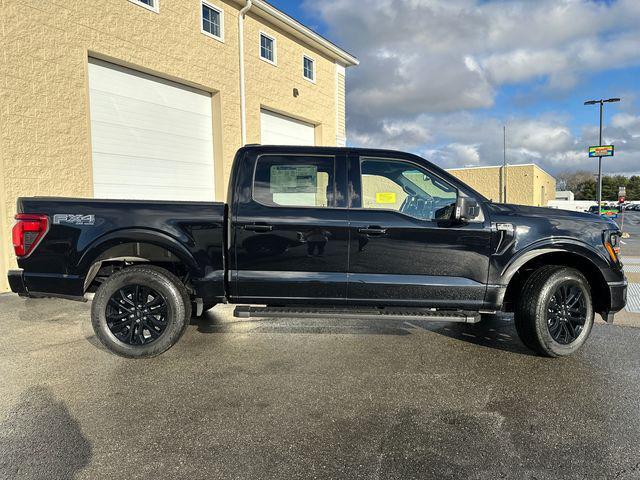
{"x": 466, "y": 209}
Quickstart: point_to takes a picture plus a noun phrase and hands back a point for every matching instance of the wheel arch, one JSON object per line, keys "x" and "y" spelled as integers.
{"x": 517, "y": 275}
{"x": 132, "y": 246}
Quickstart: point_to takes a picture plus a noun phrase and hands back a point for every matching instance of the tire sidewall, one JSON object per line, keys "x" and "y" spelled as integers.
{"x": 547, "y": 342}
{"x": 152, "y": 278}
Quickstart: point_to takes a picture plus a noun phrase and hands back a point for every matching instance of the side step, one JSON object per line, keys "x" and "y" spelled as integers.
{"x": 387, "y": 313}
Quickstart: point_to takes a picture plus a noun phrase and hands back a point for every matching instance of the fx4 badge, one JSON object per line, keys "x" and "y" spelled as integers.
{"x": 73, "y": 219}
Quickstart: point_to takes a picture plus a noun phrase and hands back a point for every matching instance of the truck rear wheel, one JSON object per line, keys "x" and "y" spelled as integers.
{"x": 140, "y": 311}
{"x": 554, "y": 314}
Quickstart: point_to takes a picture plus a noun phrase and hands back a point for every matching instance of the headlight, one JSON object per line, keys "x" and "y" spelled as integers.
{"x": 611, "y": 242}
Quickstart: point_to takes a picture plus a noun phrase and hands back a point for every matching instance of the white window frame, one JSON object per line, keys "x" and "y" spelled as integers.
{"x": 155, "y": 8}
{"x": 275, "y": 48}
{"x": 313, "y": 69}
{"x": 221, "y": 12}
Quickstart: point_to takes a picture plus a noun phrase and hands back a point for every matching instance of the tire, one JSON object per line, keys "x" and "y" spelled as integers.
{"x": 140, "y": 311}
{"x": 543, "y": 323}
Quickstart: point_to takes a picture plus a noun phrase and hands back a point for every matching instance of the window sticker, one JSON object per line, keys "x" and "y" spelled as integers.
{"x": 294, "y": 179}
{"x": 385, "y": 197}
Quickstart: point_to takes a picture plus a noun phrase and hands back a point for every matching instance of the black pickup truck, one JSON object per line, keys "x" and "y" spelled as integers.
{"x": 316, "y": 231}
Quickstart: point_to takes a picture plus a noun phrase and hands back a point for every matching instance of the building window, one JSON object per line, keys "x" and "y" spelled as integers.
{"x": 152, "y": 5}
{"x": 309, "y": 68}
{"x": 212, "y": 21}
{"x": 267, "y": 48}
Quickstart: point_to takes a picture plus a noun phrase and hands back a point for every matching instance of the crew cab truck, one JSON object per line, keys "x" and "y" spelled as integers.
{"x": 316, "y": 231}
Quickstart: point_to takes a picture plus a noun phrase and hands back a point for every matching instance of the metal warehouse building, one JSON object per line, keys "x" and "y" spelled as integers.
{"x": 150, "y": 99}
{"x": 526, "y": 184}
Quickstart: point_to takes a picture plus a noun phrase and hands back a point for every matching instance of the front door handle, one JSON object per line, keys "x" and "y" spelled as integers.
{"x": 372, "y": 230}
{"x": 257, "y": 227}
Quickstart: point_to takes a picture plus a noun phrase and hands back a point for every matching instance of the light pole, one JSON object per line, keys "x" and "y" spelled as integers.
{"x": 601, "y": 102}
{"x": 504, "y": 163}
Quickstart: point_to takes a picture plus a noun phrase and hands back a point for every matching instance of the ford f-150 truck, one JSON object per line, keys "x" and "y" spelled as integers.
{"x": 316, "y": 231}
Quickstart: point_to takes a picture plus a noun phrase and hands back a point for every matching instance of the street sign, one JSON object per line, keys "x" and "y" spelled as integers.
{"x": 601, "y": 151}
{"x": 610, "y": 212}
{"x": 622, "y": 193}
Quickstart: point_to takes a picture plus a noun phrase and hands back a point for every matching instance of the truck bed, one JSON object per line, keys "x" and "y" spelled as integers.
{"x": 86, "y": 234}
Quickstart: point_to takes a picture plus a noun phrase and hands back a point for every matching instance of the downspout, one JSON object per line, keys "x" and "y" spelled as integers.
{"x": 243, "y": 112}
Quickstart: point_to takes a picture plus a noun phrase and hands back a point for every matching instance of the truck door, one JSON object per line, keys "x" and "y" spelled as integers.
{"x": 290, "y": 231}
{"x": 405, "y": 249}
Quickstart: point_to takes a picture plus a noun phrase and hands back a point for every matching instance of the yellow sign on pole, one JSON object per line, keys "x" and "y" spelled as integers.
{"x": 601, "y": 151}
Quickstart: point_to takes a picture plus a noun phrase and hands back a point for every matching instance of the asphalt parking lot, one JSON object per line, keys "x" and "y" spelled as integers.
{"x": 312, "y": 399}
{"x": 305, "y": 399}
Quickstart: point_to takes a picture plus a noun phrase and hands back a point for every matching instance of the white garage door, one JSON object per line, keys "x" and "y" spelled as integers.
{"x": 151, "y": 138}
{"x": 276, "y": 129}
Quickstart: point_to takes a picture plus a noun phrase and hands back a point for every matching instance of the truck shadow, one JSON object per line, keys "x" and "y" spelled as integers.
{"x": 39, "y": 439}
{"x": 212, "y": 323}
{"x": 495, "y": 331}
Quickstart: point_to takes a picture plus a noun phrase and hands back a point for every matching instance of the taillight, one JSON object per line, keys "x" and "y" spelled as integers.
{"x": 27, "y": 232}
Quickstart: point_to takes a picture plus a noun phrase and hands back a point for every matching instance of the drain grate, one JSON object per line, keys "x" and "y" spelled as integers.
{"x": 633, "y": 298}
{"x": 632, "y": 268}
{"x": 630, "y": 260}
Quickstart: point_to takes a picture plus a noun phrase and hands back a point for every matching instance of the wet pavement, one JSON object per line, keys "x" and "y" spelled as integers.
{"x": 327, "y": 399}
{"x": 630, "y": 249}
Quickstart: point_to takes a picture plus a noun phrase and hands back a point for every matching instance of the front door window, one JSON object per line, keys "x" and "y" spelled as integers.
{"x": 407, "y": 188}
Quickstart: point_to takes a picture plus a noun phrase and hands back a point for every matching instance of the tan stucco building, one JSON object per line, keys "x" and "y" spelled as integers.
{"x": 144, "y": 98}
{"x": 526, "y": 184}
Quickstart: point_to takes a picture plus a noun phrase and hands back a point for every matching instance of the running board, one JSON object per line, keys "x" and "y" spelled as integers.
{"x": 387, "y": 313}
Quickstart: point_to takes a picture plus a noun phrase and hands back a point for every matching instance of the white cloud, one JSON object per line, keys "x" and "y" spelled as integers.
{"x": 454, "y": 155}
{"x": 430, "y": 69}
{"x": 627, "y": 121}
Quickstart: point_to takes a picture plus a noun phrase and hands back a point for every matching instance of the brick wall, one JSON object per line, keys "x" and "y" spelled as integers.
{"x": 44, "y": 114}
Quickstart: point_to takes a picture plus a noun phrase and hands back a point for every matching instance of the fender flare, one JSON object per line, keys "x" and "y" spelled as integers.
{"x": 547, "y": 246}
{"x": 135, "y": 235}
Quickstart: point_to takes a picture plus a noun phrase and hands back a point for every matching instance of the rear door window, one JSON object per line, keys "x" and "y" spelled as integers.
{"x": 295, "y": 181}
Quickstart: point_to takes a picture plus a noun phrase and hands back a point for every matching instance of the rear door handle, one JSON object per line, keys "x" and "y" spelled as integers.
{"x": 372, "y": 230}
{"x": 256, "y": 227}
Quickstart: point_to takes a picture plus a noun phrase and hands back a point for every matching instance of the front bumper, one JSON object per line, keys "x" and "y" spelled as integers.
{"x": 16, "y": 283}
{"x": 618, "y": 296}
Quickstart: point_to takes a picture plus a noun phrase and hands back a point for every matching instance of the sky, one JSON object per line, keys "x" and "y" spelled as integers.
{"x": 441, "y": 78}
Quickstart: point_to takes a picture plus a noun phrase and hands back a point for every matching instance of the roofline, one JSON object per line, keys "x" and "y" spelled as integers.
{"x": 303, "y": 32}
{"x": 508, "y": 166}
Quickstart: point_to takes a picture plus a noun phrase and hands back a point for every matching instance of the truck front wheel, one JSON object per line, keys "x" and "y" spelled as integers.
{"x": 140, "y": 311}
{"x": 554, "y": 314}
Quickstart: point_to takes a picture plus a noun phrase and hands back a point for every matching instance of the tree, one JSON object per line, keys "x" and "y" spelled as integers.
{"x": 583, "y": 185}
{"x": 586, "y": 190}
{"x": 633, "y": 188}
{"x": 572, "y": 180}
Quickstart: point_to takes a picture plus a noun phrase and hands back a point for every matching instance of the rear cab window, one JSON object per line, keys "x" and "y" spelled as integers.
{"x": 295, "y": 181}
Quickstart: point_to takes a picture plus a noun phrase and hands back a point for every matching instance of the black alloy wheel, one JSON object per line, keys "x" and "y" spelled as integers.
{"x": 554, "y": 311}
{"x": 136, "y": 314}
{"x": 567, "y": 313}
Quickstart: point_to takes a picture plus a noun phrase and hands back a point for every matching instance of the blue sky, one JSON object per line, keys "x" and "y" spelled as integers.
{"x": 445, "y": 76}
